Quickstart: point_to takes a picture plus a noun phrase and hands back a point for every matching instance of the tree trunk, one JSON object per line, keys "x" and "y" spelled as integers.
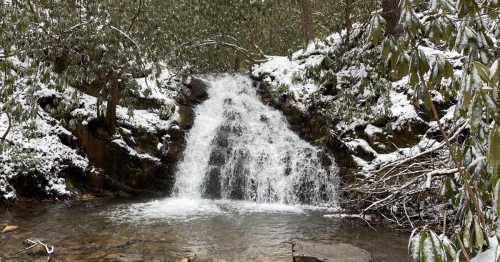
{"x": 307, "y": 22}
{"x": 347, "y": 17}
{"x": 111, "y": 107}
{"x": 4, "y": 136}
{"x": 392, "y": 13}
{"x": 237, "y": 62}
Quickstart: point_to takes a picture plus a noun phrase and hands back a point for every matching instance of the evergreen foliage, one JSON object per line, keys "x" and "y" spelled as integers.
{"x": 470, "y": 28}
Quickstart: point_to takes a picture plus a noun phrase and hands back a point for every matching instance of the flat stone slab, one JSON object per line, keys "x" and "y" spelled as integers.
{"x": 339, "y": 252}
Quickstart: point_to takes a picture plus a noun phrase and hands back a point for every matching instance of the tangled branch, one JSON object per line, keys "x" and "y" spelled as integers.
{"x": 396, "y": 189}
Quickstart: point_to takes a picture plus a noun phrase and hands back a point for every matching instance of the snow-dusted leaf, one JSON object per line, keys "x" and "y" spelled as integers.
{"x": 494, "y": 72}
{"x": 466, "y": 238}
{"x": 496, "y": 197}
{"x": 403, "y": 65}
{"x": 482, "y": 70}
{"x": 479, "y": 235}
{"x": 448, "y": 246}
{"x": 377, "y": 29}
{"x": 494, "y": 151}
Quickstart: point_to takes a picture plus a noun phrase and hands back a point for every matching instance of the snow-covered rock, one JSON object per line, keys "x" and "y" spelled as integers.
{"x": 37, "y": 157}
{"x": 339, "y": 89}
{"x": 66, "y": 141}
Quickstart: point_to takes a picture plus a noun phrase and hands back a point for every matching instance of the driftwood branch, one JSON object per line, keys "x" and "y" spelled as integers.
{"x": 49, "y": 250}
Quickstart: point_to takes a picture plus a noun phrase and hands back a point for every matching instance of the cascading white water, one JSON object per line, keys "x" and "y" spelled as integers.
{"x": 240, "y": 148}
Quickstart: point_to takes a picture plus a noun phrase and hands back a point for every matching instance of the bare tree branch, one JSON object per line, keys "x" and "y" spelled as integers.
{"x": 4, "y": 136}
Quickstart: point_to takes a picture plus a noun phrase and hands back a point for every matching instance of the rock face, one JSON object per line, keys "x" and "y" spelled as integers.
{"x": 140, "y": 158}
{"x": 309, "y": 252}
{"x": 309, "y": 125}
{"x": 144, "y": 159}
{"x": 124, "y": 168}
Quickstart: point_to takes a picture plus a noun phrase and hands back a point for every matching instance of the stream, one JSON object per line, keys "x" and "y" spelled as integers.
{"x": 247, "y": 188}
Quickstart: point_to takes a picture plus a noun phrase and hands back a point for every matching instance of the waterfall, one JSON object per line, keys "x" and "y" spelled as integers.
{"x": 241, "y": 149}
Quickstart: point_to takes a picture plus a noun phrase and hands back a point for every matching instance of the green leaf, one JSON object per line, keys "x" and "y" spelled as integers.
{"x": 403, "y": 65}
{"x": 496, "y": 197}
{"x": 494, "y": 151}
{"x": 423, "y": 63}
{"x": 495, "y": 72}
{"x": 448, "y": 71}
{"x": 437, "y": 247}
{"x": 448, "y": 247}
{"x": 466, "y": 230}
{"x": 377, "y": 29}
{"x": 479, "y": 235}
{"x": 414, "y": 78}
{"x": 466, "y": 100}
{"x": 386, "y": 49}
{"x": 482, "y": 70}
{"x": 428, "y": 103}
{"x": 448, "y": 190}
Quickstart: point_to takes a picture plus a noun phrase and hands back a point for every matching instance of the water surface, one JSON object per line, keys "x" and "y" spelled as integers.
{"x": 165, "y": 230}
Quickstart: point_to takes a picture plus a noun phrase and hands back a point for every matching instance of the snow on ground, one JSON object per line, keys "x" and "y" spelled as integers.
{"x": 142, "y": 119}
{"x": 132, "y": 152}
{"x": 153, "y": 85}
{"x": 371, "y": 130}
{"x": 37, "y": 151}
{"x": 290, "y": 74}
{"x": 403, "y": 110}
{"x": 400, "y": 154}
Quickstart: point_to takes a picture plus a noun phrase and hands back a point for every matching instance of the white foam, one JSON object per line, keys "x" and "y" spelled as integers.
{"x": 243, "y": 207}
{"x": 170, "y": 208}
{"x": 188, "y": 209}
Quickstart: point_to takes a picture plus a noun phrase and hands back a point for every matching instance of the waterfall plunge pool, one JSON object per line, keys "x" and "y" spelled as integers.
{"x": 238, "y": 148}
{"x": 168, "y": 229}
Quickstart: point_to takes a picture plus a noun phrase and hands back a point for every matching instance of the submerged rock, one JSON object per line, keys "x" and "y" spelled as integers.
{"x": 341, "y": 252}
{"x": 9, "y": 228}
{"x": 195, "y": 91}
{"x": 271, "y": 259}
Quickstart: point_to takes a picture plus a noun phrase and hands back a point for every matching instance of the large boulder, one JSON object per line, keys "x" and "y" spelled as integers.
{"x": 195, "y": 91}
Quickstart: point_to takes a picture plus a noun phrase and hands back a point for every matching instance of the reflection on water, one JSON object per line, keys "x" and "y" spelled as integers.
{"x": 165, "y": 230}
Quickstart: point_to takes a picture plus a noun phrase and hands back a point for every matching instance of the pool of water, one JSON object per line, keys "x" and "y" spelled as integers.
{"x": 168, "y": 229}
